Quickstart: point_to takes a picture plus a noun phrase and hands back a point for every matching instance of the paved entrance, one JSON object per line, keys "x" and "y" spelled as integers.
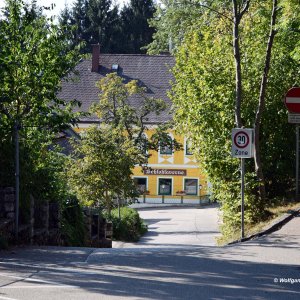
{"x": 177, "y": 227}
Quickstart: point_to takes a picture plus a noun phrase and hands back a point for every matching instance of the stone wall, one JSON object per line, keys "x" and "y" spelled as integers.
{"x": 7, "y": 212}
{"x": 7, "y": 203}
{"x": 97, "y": 229}
{"x": 44, "y": 228}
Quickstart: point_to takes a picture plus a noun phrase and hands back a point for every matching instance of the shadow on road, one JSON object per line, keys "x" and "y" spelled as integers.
{"x": 160, "y": 274}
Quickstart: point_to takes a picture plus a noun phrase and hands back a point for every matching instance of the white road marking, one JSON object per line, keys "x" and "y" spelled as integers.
{"x": 40, "y": 286}
{"x": 6, "y": 298}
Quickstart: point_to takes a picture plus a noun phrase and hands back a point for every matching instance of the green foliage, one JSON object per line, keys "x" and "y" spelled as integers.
{"x": 135, "y": 30}
{"x": 34, "y": 57}
{"x": 101, "y": 167}
{"x": 130, "y": 227}
{"x": 72, "y": 223}
{"x": 115, "y": 110}
{"x": 102, "y": 164}
{"x": 100, "y": 21}
{"x": 171, "y": 21}
{"x": 204, "y": 94}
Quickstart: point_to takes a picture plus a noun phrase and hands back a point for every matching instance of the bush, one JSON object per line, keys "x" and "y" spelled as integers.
{"x": 130, "y": 228}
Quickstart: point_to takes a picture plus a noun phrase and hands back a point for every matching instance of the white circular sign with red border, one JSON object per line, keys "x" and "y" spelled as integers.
{"x": 241, "y": 139}
{"x": 242, "y": 142}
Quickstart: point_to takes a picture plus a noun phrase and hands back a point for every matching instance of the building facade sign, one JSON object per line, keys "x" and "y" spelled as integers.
{"x": 172, "y": 172}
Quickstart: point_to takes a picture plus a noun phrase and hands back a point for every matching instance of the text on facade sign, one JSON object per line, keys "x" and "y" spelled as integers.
{"x": 165, "y": 172}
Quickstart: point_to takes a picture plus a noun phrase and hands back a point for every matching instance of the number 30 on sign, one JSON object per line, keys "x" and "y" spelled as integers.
{"x": 242, "y": 142}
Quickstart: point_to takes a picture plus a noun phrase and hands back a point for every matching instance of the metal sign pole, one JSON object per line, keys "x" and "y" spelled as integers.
{"x": 297, "y": 162}
{"x": 242, "y": 147}
{"x": 242, "y": 194}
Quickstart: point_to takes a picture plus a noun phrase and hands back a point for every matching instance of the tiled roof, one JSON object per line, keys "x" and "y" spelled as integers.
{"x": 152, "y": 72}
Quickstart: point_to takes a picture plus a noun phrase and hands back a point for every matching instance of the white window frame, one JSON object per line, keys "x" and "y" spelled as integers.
{"x": 185, "y": 148}
{"x": 183, "y": 185}
{"x": 172, "y": 185}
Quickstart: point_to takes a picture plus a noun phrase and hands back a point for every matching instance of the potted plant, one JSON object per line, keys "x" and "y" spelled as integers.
{"x": 180, "y": 193}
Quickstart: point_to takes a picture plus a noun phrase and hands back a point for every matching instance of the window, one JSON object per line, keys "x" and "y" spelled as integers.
{"x": 166, "y": 147}
{"x": 165, "y": 186}
{"x": 115, "y": 67}
{"x": 188, "y": 150}
{"x": 141, "y": 184}
{"x": 191, "y": 186}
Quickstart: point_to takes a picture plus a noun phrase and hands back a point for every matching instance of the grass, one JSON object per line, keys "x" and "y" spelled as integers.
{"x": 251, "y": 229}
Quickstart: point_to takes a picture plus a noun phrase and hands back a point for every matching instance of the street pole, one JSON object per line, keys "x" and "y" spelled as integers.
{"x": 242, "y": 194}
{"x": 297, "y": 162}
{"x": 17, "y": 179}
{"x": 119, "y": 209}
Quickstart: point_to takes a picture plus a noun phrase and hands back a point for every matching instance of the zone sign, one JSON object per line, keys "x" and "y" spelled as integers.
{"x": 242, "y": 142}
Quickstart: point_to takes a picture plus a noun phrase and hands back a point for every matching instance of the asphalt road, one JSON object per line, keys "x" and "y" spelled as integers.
{"x": 177, "y": 227}
{"x": 266, "y": 268}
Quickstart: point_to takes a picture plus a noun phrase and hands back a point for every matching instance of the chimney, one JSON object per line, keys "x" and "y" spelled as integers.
{"x": 95, "y": 57}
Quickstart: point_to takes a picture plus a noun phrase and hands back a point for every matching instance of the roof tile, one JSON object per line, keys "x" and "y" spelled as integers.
{"x": 153, "y": 72}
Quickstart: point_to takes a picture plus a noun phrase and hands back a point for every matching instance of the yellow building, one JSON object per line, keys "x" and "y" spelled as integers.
{"x": 170, "y": 176}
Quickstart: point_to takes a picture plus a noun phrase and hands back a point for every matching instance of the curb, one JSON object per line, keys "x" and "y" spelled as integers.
{"x": 141, "y": 206}
{"x": 274, "y": 226}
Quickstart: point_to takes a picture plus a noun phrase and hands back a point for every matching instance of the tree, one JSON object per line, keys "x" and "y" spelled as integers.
{"x": 102, "y": 166}
{"x": 171, "y": 20}
{"x": 93, "y": 21}
{"x": 103, "y": 21}
{"x": 98, "y": 21}
{"x": 208, "y": 91}
{"x": 34, "y": 57}
{"x": 135, "y": 30}
{"x": 78, "y": 19}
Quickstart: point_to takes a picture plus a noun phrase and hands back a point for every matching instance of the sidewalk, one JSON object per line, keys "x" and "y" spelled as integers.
{"x": 280, "y": 247}
{"x": 272, "y": 227}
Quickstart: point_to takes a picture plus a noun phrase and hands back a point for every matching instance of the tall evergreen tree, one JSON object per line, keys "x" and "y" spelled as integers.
{"x": 103, "y": 20}
{"x": 98, "y": 21}
{"x": 80, "y": 19}
{"x": 94, "y": 21}
{"x": 136, "y": 32}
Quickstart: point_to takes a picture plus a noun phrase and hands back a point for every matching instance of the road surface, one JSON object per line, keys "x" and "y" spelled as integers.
{"x": 265, "y": 268}
{"x": 178, "y": 227}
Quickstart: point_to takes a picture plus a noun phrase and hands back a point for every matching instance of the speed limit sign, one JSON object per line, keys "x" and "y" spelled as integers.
{"x": 242, "y": 142}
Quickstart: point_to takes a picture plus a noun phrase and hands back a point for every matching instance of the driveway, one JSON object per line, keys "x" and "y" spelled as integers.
{"x": 177, "y": 227}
